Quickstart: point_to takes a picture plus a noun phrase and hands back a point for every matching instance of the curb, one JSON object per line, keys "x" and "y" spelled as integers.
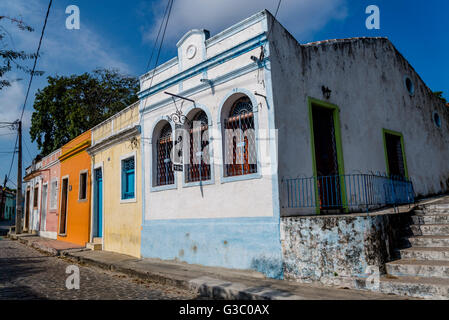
{"x": 204, "y": 286}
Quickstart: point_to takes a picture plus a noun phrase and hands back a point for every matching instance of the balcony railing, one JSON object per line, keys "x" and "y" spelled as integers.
{"x": 352, "y": 192}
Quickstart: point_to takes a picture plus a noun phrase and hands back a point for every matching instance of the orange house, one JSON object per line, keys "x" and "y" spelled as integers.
{"x": 74, "y": 200}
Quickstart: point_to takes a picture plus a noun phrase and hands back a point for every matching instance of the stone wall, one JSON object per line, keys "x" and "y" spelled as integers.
{"x": 335, "y": 250}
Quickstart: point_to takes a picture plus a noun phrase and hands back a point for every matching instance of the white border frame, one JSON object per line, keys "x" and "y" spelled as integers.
{"x": 57, "y": 192}
{"x": 44, "y": 184}
{"x": 86, "y": 171}
{"x": 99, "y": 165}
{"x": 125, "y": 157}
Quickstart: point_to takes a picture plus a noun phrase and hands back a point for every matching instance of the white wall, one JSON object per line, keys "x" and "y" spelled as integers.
{"x": 366, "y": 77}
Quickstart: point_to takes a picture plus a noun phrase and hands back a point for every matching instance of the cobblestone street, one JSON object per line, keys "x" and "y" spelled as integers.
{"x": 27, "y": 274}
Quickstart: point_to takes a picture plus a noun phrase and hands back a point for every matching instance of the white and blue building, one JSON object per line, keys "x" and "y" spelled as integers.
{"x": 268, "y": 109}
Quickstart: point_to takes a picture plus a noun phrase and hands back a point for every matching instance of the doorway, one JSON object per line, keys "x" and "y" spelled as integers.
{"x": 44, "y": 208}
{"x": 98, "y": 204}
{"x": 327, "y": 156}
{"x": 27, "y": 211}
{"x": 64, "y": 200}
{"x": 395, "y": 155}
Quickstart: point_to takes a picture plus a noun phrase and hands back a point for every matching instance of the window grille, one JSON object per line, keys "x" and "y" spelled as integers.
{"x": 128, "y": 176}
{"x": 198, "y": 168}
{"x": 240, "y": 140}
{"x": 164, "y": 145}
{"x": 36, "y": 195}
{"x": 54, "y": 194}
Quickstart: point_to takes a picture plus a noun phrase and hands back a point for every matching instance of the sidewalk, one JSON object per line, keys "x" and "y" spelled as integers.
{"x": 212, "y": 282}
{"x": 53, "y": 247}
{"x": 4, "y": 226}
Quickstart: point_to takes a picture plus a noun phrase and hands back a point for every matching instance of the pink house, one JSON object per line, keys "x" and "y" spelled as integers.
{"x": 50, "y": 175}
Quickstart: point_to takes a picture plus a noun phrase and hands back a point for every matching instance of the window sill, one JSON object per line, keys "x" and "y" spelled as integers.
{"x": 163, "y": 188}
{"x": 198, "y": 183}
{"x": 82, "y": 200}
{"x": 132, "y": 200}
{"x": 241, "y": 177}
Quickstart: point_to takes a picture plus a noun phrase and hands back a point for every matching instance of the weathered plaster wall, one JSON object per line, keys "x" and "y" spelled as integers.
{"x": 338, "y": 249}
{"x": 366, "y": 77}
{"x": 233, "y": 223}
{"x": 121, "y": 220}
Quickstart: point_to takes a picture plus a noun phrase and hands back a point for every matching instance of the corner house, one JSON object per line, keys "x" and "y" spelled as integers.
{"x": 246, "y": 127}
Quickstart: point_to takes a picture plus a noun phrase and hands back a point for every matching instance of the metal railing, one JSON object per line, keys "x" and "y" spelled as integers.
{"x": 351, "y": 192}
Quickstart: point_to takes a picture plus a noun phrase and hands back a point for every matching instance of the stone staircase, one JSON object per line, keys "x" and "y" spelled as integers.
{"x": 423, "y": 270}
{"x": 96, "y": 244}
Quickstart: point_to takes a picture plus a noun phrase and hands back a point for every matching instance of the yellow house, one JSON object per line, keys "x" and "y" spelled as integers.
{"x": 116, "y": 193}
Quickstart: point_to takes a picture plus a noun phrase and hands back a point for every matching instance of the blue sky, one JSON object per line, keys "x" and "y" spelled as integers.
{"x": 120, "y": 34}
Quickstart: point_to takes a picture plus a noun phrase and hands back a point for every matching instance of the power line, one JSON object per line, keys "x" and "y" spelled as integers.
{"x": 4, "y": 124}
{"x": 28, "y": 150}
{"x": 169, "y": 8}
{"x": 12, "y": 160}
{"x": 35, "y": 59}
{"x": 158, "y": 34}
{"x": 275, "y": 15}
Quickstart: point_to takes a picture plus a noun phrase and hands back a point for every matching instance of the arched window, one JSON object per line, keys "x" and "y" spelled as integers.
{"x": 198, "y": 168}
{"x": 164, "y": 146}
{"x": 240, "y": 139}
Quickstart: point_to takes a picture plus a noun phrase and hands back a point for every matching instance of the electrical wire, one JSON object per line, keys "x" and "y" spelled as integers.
{"x": 169, "y": 8}
{"x": 35, "y": 58}
{"x": 31, "y": 80}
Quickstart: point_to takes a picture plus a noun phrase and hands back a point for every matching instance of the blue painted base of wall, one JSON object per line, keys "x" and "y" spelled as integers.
{"x": 245, "y": 243}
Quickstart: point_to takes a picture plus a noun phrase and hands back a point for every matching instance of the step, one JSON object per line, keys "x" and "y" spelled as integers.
{"x": 418, "y": 268}
{"x": 431, "y": 219}
{"x": 97, "y": 240}
{"x": 429, "y": 241}
{"x": 418, "y": 287}
{"x": 94, "y": 246}
{"x": 430, "y": 229}
{"x": 444, "y": 211}
{"x": 426, "y": 253}
{"x": 432, "y": 206}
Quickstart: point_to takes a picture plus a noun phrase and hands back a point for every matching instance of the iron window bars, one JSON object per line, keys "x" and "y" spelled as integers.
{"x": 198, "y": 168}
{"x": 240, "y": 140}
{"x": 164, "y": 145}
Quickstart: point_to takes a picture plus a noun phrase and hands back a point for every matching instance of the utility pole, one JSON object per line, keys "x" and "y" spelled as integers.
{"x": 19, "y": 181}
{"x": 2, "y": 212}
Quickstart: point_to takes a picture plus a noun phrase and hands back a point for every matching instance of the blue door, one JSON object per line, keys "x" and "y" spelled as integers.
{"x": 99, "y": 202}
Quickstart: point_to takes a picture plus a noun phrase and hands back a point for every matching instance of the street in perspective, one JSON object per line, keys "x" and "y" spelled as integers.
{"x": 230, "y": 151}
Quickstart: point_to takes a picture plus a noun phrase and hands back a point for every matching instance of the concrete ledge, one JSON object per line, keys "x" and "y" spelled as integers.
{"x": 215, "y": 283}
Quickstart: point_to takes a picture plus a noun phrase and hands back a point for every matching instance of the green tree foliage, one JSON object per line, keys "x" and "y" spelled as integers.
{"x": 439, "y": 94}
{"x": 68, "y": 106}
{"x": 10, "y": 58}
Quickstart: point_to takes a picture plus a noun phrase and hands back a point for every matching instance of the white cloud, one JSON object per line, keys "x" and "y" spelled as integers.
{"x": 300, "y": 17}
{"x": 11, "y": 102}
{"x": 63, "y": 51}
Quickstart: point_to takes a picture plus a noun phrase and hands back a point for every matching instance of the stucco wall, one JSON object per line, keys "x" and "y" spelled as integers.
{"x": 338, "y": 249}
{"x": 122, "y": 221}
{"x": 50, "y": 172}
{"x": 366, "y": 79}
{"x": 224, "y": 222}
{"x": 78, "y": 211}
